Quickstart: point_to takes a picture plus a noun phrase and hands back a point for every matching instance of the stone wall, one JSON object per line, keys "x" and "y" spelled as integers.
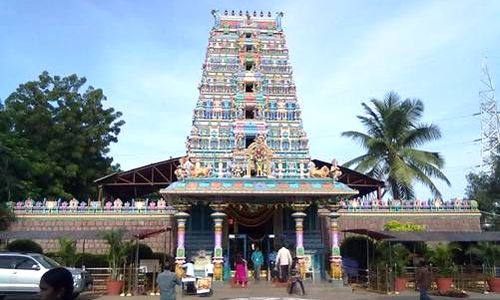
{"x": 433, "y": 221}
{"x": 98, "y": 222}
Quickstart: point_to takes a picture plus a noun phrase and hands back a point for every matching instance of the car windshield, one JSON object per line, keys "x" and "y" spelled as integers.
{"x": 46, "y": 262}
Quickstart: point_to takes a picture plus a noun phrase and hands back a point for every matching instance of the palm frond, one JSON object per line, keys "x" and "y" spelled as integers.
{"x": 420, "y": 135}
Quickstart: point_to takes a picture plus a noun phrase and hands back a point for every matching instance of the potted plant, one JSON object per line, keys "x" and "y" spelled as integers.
{"x": 117, "y": 252}
{"x": 441, "y": 256}
{"x": 489, "y": 254}
{"x": 400, "y": 257}
{"x": 397, "y": 256}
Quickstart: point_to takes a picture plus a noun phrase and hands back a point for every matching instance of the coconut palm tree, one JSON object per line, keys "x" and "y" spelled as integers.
{"x": 393, "y": 134}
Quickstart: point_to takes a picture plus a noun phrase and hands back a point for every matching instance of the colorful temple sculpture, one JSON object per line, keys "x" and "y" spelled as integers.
{"x": 247, "y": 152}
{"x": 246, "y": 180}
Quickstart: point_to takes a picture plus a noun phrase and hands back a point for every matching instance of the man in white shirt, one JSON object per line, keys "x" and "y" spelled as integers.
{"x": 189, "y": 266}
{"x": 209, "y": 269}
{"x": 283, "y": 260}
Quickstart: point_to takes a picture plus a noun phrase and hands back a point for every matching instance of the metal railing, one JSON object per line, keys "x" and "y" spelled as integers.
{"x": 468, "y": 278}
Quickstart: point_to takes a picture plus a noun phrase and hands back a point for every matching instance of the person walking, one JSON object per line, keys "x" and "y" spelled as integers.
{"x": 423, "y": 279}
{"x": 56, "y": 284}
{"x": 257, "y": 260}
{"x": 283, "y": 260}
{"x": 295, "y": 278}
{"x": 167, "y": 280}
{"x": 240, "y": 275}
{"x": 272, "y": 264}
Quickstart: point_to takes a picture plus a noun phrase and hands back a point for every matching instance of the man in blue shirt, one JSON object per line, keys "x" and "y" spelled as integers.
{"x": 258, "y": 261}
{"x": 166, "y": 282}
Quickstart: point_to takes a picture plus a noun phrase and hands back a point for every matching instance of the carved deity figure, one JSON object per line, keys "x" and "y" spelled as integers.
{"x": 335, "y": 170}
{"x": 239, "y": 141}
{"x": 259, "y": 158}
{"x": 180, "y": 172}
{"x": 322, "y": 172}
{"x": 237, "y": 170}
{"x": 199, "y": 171}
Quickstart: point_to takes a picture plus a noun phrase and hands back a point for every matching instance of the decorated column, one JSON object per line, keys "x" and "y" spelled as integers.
{"x": 299, "y": 216}
{"x": 218, "y": 256}
{"x": 335, "y": 258}
{"x": 180, "y": 254}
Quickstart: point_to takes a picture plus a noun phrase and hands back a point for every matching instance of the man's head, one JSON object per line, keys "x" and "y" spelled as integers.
{"x": 168, "y": 266}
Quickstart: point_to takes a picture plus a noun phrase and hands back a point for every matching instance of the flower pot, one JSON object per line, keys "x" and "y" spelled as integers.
{"x": 400, "y": 284}
{"x": 494, "y": 284}
{"x": 114, "y": 287}
{"x": 443, "y": 284}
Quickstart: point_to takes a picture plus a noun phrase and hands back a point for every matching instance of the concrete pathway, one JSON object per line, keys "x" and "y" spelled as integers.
{"x": 265, "y": 291}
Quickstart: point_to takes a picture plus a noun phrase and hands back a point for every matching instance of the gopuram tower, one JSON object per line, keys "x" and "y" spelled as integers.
{"x": 247, "y": 95}
{"x": 247, "y": 152}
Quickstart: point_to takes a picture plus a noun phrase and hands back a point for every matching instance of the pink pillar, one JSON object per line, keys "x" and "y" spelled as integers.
{"x": 180, "y": 253}
{"x": 218, "y": 259}
{"x": 335, "y": 258}
{"x": 299, "y": 239}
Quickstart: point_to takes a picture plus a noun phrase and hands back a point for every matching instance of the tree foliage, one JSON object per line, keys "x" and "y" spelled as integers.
{"x": 485, "y": 189}
{"x": 394, "y": 134}
{"x": 487, "y": 253}
{"x": 54, "y": 138}
{"x": 403, "y": 226}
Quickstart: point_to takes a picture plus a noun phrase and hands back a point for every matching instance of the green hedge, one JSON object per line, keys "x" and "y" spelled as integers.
{"x": 92, "y": 260}
{"x": 24, "y": 246}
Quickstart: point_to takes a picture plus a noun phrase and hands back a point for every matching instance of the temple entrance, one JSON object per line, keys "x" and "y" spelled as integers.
{"x": 238, "y": 245}
{"x": 246, "y": 239}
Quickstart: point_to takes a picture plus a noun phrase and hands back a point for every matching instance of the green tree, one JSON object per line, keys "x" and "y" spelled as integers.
{"x": 394, "y": 133}
{"x": 485, "y": 189}
{"x": 55, "y": 138}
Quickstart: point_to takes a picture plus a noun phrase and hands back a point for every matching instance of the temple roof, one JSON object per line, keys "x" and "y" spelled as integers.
{"x": 261, "y": 186}
{"x": 151, "y": 178}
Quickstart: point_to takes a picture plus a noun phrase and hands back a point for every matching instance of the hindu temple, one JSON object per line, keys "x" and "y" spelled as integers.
{"x": 247, "y": 178}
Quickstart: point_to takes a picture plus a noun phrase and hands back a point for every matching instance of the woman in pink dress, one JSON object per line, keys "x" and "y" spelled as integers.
{"x": 241, "y": 271}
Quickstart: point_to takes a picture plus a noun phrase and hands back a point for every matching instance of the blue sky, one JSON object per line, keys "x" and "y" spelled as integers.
{"x": 147, "y": 57}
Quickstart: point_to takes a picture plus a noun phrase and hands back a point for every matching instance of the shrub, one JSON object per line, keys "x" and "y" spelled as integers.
{"x": 24, "y": 246}
{"x": 145, "y": 252}
{"x": 92, "y": 260}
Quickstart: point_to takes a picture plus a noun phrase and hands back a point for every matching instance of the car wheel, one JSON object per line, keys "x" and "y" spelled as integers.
{"x": 75, "y": 295}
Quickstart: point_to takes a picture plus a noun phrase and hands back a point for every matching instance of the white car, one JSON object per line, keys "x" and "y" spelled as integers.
{"x": 20, "y": 273}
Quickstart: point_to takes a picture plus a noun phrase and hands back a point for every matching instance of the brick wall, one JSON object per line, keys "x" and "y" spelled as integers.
{"x": 34, "y": 222}
{"x": 434, "y": 221}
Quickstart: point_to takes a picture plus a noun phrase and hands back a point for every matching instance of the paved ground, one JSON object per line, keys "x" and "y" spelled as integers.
{"x": 264, "y": 291}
